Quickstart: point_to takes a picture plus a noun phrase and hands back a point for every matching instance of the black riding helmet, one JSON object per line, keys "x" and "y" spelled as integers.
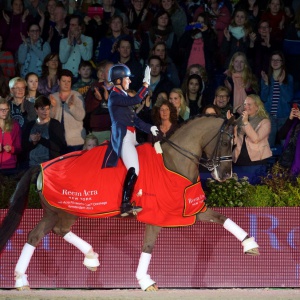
{"x": 118, "y": 71}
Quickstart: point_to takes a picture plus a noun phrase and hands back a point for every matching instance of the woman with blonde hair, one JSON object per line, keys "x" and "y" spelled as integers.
{"x": 240, "y": 80}
{"x": 177, "y": 99}
{"x": 251, "y": 136}
{"x": 10, "y": 140}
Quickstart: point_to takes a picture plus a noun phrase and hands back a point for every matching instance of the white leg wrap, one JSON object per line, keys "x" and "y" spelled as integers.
{"x": 236, "y": 230}
{"x": 21, "y": 280}
{"x": 249, "y": 244}
{"x": 141, "y": 274}
{"x": 22, "y": 265}
{"x": 91, "y": 261}
{"x": 79, "y": 243}
{"x": 145, "y": 282}
{"x": 24, "y": 259}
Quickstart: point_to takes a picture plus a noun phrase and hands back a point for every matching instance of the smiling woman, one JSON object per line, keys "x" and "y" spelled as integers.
{"x": 32, "y": 51}
{"x": 252, "y": 147}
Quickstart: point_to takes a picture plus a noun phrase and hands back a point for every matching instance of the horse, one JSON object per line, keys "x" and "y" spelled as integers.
{"x": 181, "y": 154}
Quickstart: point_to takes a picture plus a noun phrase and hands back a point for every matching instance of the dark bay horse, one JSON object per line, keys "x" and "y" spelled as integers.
{"x": 181, "y": 154}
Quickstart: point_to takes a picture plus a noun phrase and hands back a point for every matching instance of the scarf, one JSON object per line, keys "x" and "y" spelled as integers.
{"x": 239, "y": 93}
{"x": 155, "y": 33}
{"x": 254, "y": 121}
{"x": 237, "y": 31}
{"x": 38, "y": 69}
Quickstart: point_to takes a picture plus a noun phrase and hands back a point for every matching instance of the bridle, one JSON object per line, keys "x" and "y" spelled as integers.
{"x": 209, "y": 163}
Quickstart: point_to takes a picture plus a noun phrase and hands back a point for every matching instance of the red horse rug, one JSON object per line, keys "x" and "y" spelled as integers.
{"x": 76, "y": 183}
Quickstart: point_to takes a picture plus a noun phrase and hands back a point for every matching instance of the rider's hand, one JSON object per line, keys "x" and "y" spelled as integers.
{"x": 154, "y": 130}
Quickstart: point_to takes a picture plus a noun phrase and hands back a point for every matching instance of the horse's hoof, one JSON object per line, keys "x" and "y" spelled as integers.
{"x": 23, "y": 288}
{"x": 250, "y": 246}
{"x": 92, "y": 263}
{"x": 93, "y": 269}
{"x": 253, "y": 252}
{"x": 152, "y": 288}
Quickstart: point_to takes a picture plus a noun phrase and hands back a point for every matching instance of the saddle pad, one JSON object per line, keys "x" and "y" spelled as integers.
{"x": 76, "y": 183}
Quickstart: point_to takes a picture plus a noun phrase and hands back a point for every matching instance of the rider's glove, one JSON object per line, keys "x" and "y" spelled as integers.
{"x": 154, "y": 130}
{"x": 147, "y": 75}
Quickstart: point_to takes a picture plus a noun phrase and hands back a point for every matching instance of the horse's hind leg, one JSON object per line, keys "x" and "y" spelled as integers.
{"x": 63, "y": 229}
{"x": 248, "y": 243}
{"x": 35, "y": 236}
{"x": 145, "y": 282}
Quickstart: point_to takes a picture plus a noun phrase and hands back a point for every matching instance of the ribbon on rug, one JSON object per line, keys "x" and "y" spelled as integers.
{"x": 76, "y": 183}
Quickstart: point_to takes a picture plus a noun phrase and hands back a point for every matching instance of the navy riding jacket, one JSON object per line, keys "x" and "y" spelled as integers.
{"x": 122, "y": 115}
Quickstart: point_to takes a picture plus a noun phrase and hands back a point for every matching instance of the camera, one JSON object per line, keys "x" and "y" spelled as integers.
{"x": 193, "y": 26}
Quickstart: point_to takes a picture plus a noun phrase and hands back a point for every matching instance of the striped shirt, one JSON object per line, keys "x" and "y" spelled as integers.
{"x": 275, "y": 98}
{"x": 7, "y": 63}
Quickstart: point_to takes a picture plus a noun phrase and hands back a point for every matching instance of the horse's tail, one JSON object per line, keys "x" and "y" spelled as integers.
{"x": 17, "y": 204}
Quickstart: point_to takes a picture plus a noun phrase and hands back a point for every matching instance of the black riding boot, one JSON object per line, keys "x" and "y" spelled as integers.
{"x": 129, "y": 183}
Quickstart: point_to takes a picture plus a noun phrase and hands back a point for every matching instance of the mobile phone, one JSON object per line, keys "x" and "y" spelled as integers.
{"x": 295, "y": 105}
{"x": 95, "y": 11}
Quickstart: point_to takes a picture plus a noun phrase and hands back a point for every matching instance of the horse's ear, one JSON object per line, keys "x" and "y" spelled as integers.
{"x": 231, "y": 121}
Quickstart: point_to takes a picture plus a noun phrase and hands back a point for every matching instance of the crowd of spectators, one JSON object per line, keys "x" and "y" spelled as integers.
{"x": 206, "y": 56}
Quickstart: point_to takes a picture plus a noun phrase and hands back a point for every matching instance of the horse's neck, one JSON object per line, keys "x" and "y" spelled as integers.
{"x": 193, "y": 137}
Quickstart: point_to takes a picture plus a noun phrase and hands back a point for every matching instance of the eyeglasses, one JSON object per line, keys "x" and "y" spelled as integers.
{"x": 4, "y": 110}
{"x": 276, "y": 60}
{"x": 222, "y": 96}
{"x": 34, "y": 31}
{"x": 19, "y": 88}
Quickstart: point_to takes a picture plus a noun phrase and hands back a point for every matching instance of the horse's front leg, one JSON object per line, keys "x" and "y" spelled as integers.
{"x": 249, "y": 243}
{"x": 145, "y": 282}
{"x": 63, "y": 229}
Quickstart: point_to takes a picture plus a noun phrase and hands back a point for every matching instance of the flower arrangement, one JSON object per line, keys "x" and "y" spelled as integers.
{"x": 278, "y": 189}
{"x": 230, "y": 193}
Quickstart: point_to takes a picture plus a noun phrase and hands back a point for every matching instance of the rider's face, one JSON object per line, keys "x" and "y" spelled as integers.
{"x": 125, "y": 83}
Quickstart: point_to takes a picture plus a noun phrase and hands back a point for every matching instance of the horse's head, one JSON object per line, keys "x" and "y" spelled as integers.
{"x": 220, "y": 158}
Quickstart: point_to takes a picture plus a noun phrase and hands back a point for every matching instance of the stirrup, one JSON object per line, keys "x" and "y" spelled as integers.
{"x": 127, "y": 209}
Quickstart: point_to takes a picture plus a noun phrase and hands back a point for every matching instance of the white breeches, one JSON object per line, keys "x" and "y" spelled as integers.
{"x": 129, "y": 154}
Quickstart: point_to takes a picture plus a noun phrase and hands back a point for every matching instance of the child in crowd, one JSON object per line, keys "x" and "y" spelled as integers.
{"x": 84, "y": 83}
{"x": 90, "y": 142}
{"x": 32, "y": 81}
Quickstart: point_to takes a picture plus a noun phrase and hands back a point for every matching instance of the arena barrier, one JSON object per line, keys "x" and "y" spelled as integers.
{"x": 200, "y": 256}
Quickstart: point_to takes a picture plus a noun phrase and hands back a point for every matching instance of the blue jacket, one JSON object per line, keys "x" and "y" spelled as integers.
{"x": 285, "y": 100}
{"x": 122, "y": 115}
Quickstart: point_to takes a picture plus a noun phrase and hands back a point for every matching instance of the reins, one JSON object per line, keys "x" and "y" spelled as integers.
{"x": 211, "y": 163}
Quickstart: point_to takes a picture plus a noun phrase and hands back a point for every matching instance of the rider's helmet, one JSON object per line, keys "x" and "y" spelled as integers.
{"x": 118, "y": 71}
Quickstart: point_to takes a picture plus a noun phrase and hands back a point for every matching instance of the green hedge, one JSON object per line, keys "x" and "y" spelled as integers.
{"x": 278, "y": 189}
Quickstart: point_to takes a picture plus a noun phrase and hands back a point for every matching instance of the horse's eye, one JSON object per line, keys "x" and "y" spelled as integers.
{"x": 225, "y": 144}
